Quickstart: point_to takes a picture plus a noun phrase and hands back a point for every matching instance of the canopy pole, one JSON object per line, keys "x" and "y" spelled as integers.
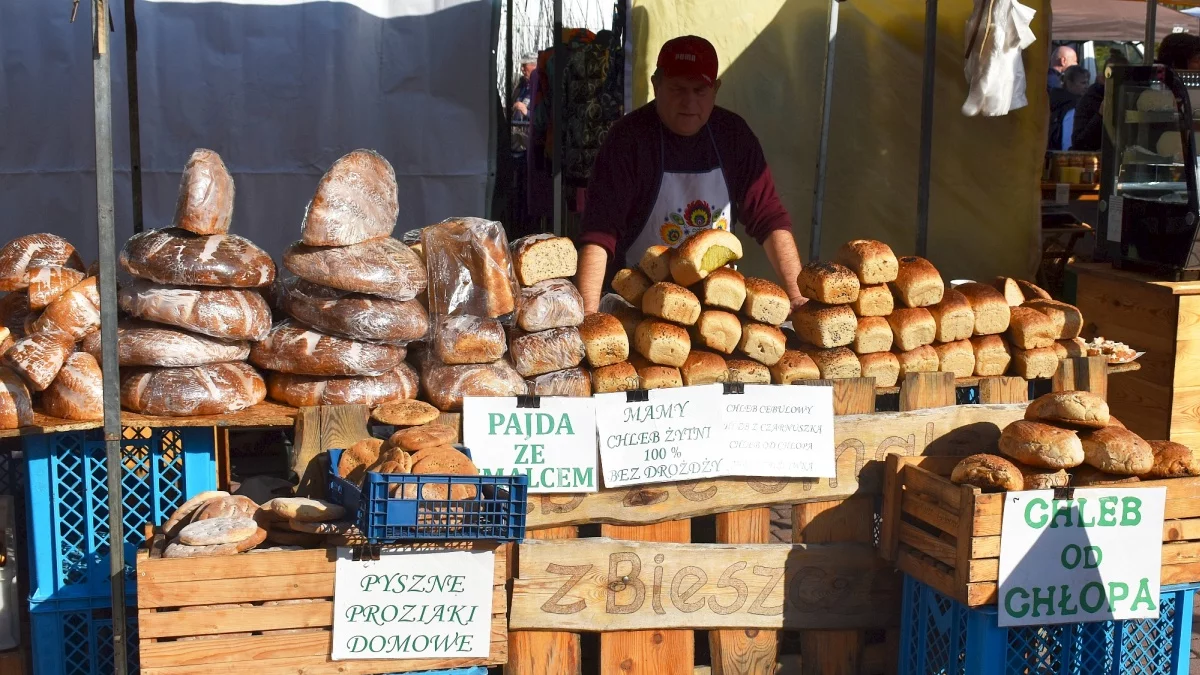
{"x": 135, "y": 116}
{"x": 814, "y": 242}
{"x": 1151, "y": 31}
{"x": 102, "y": 98}
{"x": 558, "y": 99}
{"x": 926, "y": 158}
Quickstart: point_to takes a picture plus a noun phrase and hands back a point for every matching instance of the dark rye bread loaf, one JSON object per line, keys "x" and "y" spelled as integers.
{"x": 383, "y": 267}
{"x": 142, "y": 343}
{"x": 180, "y": 258}
{"x": 227, "y": 313}
{"x": 20, "y": 255}
{"x": 353, "y": 315}
{"x": 205, "y": 204}
{"x": 204, "y": 390}
{"x": 310, "y": 390}
{"x": 355, "y": 201}
{"x": 292, "y": 347}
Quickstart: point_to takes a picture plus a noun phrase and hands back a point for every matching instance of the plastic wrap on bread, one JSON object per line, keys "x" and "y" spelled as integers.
{"x": 16, "y": 407}
{"x": 311, "y": 390}
{"x": 47, "y": 284}
{"x": 39, "y": 357}
{"x": 14, "y": 310}
{"x": 446, "y": 386}
{"x": 181, "y": 258}
{"x": 466, "y": 339}
{"x": 77, "y": 393}
{"x": 569, "y": 382}
{"x": 353, "y": 315}
{"x": 383, "y": 267}
{"x": 203, "y": 390}
{"x": 292, "y": 347}
{"x": 355, "y": 201}
{"x": 20, "y": 255}
{"x": 227, "y": 313}
{"x": 75, "y": 313}
{"x": 556, "y": 349}
{"x": 142, "y": 343}
{"x": 206, "y": 193}
{"x": 554, "y": 303}
{"x": 470, "y": 269}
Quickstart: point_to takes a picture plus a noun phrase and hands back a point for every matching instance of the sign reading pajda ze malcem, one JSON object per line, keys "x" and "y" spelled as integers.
{"x": 1092, "y": 557}
{"x": 554, "y": 443}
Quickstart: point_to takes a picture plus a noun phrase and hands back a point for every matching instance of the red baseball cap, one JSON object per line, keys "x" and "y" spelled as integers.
{"x": 688, "y": 56}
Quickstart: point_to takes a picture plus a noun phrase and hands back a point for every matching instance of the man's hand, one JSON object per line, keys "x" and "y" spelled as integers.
{"x": 780, "y": 247}
{"x": 520, "y": 108}
{"x": 593, "y": 262}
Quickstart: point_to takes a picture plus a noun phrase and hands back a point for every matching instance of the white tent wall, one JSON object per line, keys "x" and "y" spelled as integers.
{"x": 280, "y": 88}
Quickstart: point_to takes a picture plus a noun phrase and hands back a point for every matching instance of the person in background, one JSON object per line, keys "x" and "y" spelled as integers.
{"x": 1179, "y": 51}
{"x": 523, "y": 92}
{"x": 1064, "y": 57}
{"x": 1063, "y": 101}
{"x": 1087, "y": 129}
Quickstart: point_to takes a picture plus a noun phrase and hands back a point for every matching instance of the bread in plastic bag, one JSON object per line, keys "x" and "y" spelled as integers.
{"x": 14, "y": 310}
{"x": 202, "y": 390}
{"x": 309, "y": 390}
{"x": 39, "y": 357}
{"x": 569, "y": 382}
{"x": 461, "y": 340}
{"x": 547, "y": 351}
{"x": 47, "y": 284}
{"x": 470, "y": 269}
{"x": 353, "y": 315}
{"x": 555, "y": 303}
{"x": 76, "y": 312}
{"x": 227, "y": 313}
{"x": 180, "y": 258}
{"x": 383, "y": 267}
{"x": 77, "y": 393}
{"x": 205, "y": 204}
{"x": 356, "y": 200}
{"x": 445, "y": 386}
{"x": 16, "y": 407}
{"x": 142, "y": 343}
{"x": 292, "y": 347}
{"x": 34, "y": 250}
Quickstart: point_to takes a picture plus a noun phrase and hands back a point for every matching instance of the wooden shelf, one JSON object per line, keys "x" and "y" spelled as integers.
{"x": 974, "y": 381}
{"x": 265, "y": 414}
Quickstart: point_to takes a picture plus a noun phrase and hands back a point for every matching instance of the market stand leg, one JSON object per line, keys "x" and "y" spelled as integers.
{"x": 747, "y": 651}
{"x": 536, "y": 652}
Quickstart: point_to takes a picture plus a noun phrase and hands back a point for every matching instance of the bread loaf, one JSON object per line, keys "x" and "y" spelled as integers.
{"x": 203, "y": 390}
{"x": 918, "y": 283}
{"x": 1067, "y": 320}
{"x": 356, "y": 200}
{"x": 923, "y": 359}
{"x": 662, "y": 343}
{"x": 604, "y": 339}
{"x": 1117, "y": 451}
{"x": 872, "y": 261}
{"x": 548, "y": 351}
{"x": 180, "y": 258}
{"x": 14, "y": 311}
{"x": 308, "y": 390}
{"x": 75, "y": 313}
{"x": 954, "y": 317}
{"x": 794, "y": 365}
{"x": 748, "y": 372}
{"x": 989, "y": 473}
{"x": 32, "y": 251}
{"x": 569, "y": 382}
{"x": 292, "y": 347}
{"x": 446, "y": 386}
{"x": 912, "y": 328}
{"x": 1077, "y": 408}
{"x": 956, "y": 357}
{"x": 1172, "y": 460}
{"x": 553, "y": 303}
{"x": 227, "y": 313}
{"x": 383, "y": 267}
{"x": 460, "y": 340}
{"x": 874, "y": 301}
{"x": 39, "y": 357}
{"x": 629, "y": 317}
{"x": 1010, "y": 290}
{"x": 825, "y": 326}
{"x": 617, "y": 377}
{"x": 1032, "y": 291}
{"x": 1041, "y": 479}
{"x": 206, "y": 191}
{"x": 766, "y": 302}
{"x": 702, "y": 253}
{"x": 539, "y": 257}
{"x": 762, "y": 343}
{"x": 991, "y": 355}
{"x": 717, "y": 330}
{"x": 1034, "y": 364}
{"x": 470, "y": 269}
{"x": 836, "y": 364}
{"x": 884, "y": 367}
{"x": 655, "y": 376}
{"x": 671, "y": 302}
{"x": 77, "y": 393}
{"x": 1030, "y": 329}
{"x": 147, "y": 344}
{"x": 874, "y": 334}
{"x": 828, "y": 282}
{"x": 1066, "y": 349}
{"x": 47, "y": 284}
{"x": 16, "y": 408}
{"x": 724, "y": 288}
{"x": 631, "y": 284}
{"x": 991, "y": 311}
{"x": 703, "y": 367}
{"x": 1041, "y": 445}
{"x": 6, "y": 340}
{"x": 656, "y": 263}
{"x": 354, "y": 315}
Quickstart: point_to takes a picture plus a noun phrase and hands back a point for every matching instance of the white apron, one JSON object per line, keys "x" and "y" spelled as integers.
{"x": 687, "y": 202}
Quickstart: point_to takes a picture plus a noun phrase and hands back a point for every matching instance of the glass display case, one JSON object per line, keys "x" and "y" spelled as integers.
{"x": 1149, "y": 206}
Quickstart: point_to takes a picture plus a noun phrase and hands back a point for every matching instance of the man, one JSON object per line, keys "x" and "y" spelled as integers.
{"x": 1087, "y": 129}
{"x": 1064, "y": 57}
{"x": 523, "y": 92}
{"x": 676, "y": 166}
{"x": 1063, "y": 101}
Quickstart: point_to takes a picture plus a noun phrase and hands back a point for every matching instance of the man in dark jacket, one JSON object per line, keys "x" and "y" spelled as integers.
{"x": 1064, "y": 100}
{"x": 1089, "y": 119}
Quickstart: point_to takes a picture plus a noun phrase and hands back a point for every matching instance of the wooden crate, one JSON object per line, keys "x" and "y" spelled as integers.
{"x": 948, "y": 536}
{"x": 172, "y": 594}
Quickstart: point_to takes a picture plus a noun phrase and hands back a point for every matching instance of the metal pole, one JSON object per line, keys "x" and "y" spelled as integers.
{"x": 135, "y": 117}
{"x": 926, "y": 159}
{"x": 558, "y": 98}
{"x": 495, "y": 100}
{"x": 1151, "y": 31}
{"x": 102, "y": 95}
{"x": 508, "y": 64}
{"x": 814, "y": 242}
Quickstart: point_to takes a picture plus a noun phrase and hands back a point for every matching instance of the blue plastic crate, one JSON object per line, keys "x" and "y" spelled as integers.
{"x": 75, "y": 637}
{"x": 67, "y": 501}
{"x": 497, "y": 512}
{"x": 941, "y": 636}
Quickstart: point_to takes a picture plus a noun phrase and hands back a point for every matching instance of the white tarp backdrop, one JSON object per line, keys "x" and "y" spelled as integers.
{"x": 280, "y": 88}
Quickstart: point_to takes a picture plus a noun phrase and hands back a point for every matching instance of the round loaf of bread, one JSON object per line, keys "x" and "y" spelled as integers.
{"x": 383, "y": 267}
{"x": 828, "y": 282}
{"x": 724, "y": 288}
{"x": 766, "y": 302}
{"x": 545, "y": 352}
{"x": 717, "y": 330}
{"x": 39, "y": 357}
{"x": 356, "y": 200}
{"x": 292, "y": 347}
{"x": 227, "y": 313}
{"x": 1172, "y": 460}
{"x": 671, "y": 302}
{"x": 180, "y": 392}
{"x": 408, "y": 413}
{"x": 762, "y": 343}
{"x": 310, "y": 390}
{"x": 662, "y": 343}
{"x": 703, "y": 367}
{"x": 918, "y": 283}
{"x": 748, "y": 372}
{"x": 988, "y": 473}
{"x": 1086, "y": 476}
{"x": 792, "y": 366}
{"x": 1041, "y": 445}
{"x": 873, "y": 261}
{"x": 1039, "y": 479}
{"x": 206, "y": 192}
{"x": 141, "y": 343}
{"x": 569, "y": 382}
{"x": 1078, "y": 408}
{"x": 702, "y": 253}
{"x": 354, "y": 315}
{"x": 617, "y": 377}
{"x": 47, "y": 284}
{"x": 554, "y": 303}
{"x": 77, "y": 393}
{"x": 604, "y": 339}
{"x": 180, "y": 258}
{"x": 1117, "y": 451}
{"x": 446, "y": 386}
{"x": 16, "y": 408}
{"x": 883, "y": 367}
{"x": 22, "y": 254}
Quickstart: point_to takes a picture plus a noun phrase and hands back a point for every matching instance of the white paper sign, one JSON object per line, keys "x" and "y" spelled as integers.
{"x": 784, "y": 432}
{"x": 1094, "y": 557}
{"x": 674, "y": 436}
{"x": 554, "y": 444}
{"x": 413, "y": 605}
{"x": 1062, "y": 193}
{"x": 1116, "y": 214}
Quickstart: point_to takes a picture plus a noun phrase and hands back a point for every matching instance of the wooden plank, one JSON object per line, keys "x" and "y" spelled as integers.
{"x": 981, "y": 593}
{"x": 452, "y": 420}
{"x": 1185, "y": 410}
{"x": 241, "y": 620}
{"x": 1083, "y": 373}
{"x": 1180, "y": 574}
{"x": 1146, "y": 405}
{"x": 862, "y": 443}
{"x": 1181, "y": 553}
{"x": 963, "y": 570}
{"x": 921, "y": 481}
{"x": 893, "y": 499}
{"x": 745, "y": 651}
{"x": 1188, "y": 326}
{"x": 1003, "y": 390}
{"x": 229, "y": 591}
{"x": 318, "y": 429}
{"x": 1182, "y": 368}
{"x": 1184, "y": 529}
{"x": 1107, "y": 271}
{"x": 265, "y": 414}
{"x": 1129, "y": 311}
{"x": 927, "y": 390}
{"x": 549, "y": 652}
{"x": 928, "y": 544}
{"x": 944, "y": 520}
{"x": 264, "y": 564}
{"x": 985, "y": 547}
{"x": 923, "y": 569}
{"x": 985, "y": 569}
{"x": 566, "y": 585}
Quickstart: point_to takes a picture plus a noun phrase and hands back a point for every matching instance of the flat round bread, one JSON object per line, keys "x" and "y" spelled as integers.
{"x": 182, "y": 514}
{"x": 257, "y": 538}
{"x": 1043, "y": 479}
{"x": 1172, "y": 460}
{"x": 309, "y": 510}
{"x": 177, "y": 550}
{"x": 231, "y": 506}
{"x": 988, "y": 472}
{"x": 355, "y": 459}
{"x": 408, "y": 413}
{"x": 218, "y": 531}
{"x": 335, "y": 527}
{"x": 394, "y": 466}
{"x": 427, "y": 436}
{"x": 448, "y": 463}
{"x": 422, "y": 454}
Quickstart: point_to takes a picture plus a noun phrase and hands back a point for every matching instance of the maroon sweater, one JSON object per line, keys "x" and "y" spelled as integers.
{"x": 624, "y": 180}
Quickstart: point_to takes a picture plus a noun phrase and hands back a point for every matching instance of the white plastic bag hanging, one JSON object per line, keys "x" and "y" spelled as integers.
{"x": 997, "y": 33}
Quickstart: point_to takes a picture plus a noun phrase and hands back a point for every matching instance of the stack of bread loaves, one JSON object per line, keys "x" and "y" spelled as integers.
{"x": 353, "y": 304}
{"x": 1069, "y": 438}
{"x": 196, "y": 294}
{"x": 424, "y": 450}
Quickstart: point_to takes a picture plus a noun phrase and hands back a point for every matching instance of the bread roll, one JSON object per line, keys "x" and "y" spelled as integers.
{"x": 545, "y": 352}
{"x": 461, "y": 340}
{"x": 356, "y": 200}
{"x": 989, "y": 473}
{"x": 954, "y": 317}
{"x": 766, "y": 302}
{"x": 1041, "y": 479}
{"x": 308, "y": 390}
{"x": 39, "y": 357}
{"x": 724, "y": 288}
{"x": 629, "y": 317}
{"x": 604, "y": 340}
{"x": 227, "y": 313}
{"x": 179, "y": 392}
{"x": 828, "y": 282}
{"x": 631, "y": 284}
{"x": 77, "y": 393}
{"x": 836, "y": 364}
{"x": 662, "y": 343}
{"x": 825, "y": 326}
{"x": 884, "y": 367}
{"x": 874, "y": 335}
{"x": 1032, "y": 291}
{"x": 1117, "y": 451}
{"x": 912, "y": 328}
{"x": 446, "y": 386}
{"x": 355, "y": 315}
{"x": 703, "y": 367}
{"x": 47, "y": 284}
{"x": 539, "y": 257}
{"x": 617, "y": 377}
{"x": 656, "y": 263}
{"x": 1066, "y": 319}
{"x": 873, "y": 261}
{"x": 1077, "y": 408}
{"x": 923, "y": 359}
{"x": 470, "y": 269}
{"x": 1010, "y": 290}
{"x": 718, "y": 331}
{"x": 383, "y": 267}
{"x": 1035, "y": 364}
{"x": 991, "y": 355}
{"x": 147, "y": 344}
{"x": 1066, "y": 349}
{"x": 206, "y": 191}
{"x": 762, "y": 343}
{"x": 292, "y": 347}
{"x": 794, "y": 365}
{"x": 180, "y": 258}
{"x": 956, "y": 357}
{"x": 918, "y": 283}
{"x": 1041, "y": 445}
{"x": 570, "y": 382}
{"x": 702, "y": 253}
{"x": 748, "y": 372}
{"x": 671, "y": 302}
{"x": 991, "y": 311}
{"x": 874, "y": 301}
{"x": 32, "y": 251}
{"x": 655, "y": 376}
{"x": 16, "y": 408}
{"x": 1030, "y": 329}
{"x": 1087, "y": 476}
{"x": 75, "y": 313}
{"x": 1172, "y": 460}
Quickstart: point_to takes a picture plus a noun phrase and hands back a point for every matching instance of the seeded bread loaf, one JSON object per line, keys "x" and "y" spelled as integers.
{"x": 671, "y": 302}
{"x": 539, "y": 257}
{"x": 661, "y": 342}
{"x": 828, "y": 282}
{"x": 748, "y": 372}
{"x": 825, "y": 326}
{"x": 604, "y": 339}
{"x": 766, "y": 302}
{"x": 836, "y": 363}
{"x": 703, "y": 367}
{"x": 762, "y": 343}
{"x": 631, "y": 284}
{"x": 872, "y": 261}
{"x": 617, "y": 377}
{"x": 792, "y": 366}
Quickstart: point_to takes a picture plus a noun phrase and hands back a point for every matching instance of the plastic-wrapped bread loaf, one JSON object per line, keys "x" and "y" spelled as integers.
{"x": 75, "y": 313}
{"x": 22, "y": 254}
{"x": 205, "y": 204}
{"x": 355, "y": 201}
{"x": 47, "y": 284}
{"x": 537, "y": 353}
{"x": 539, "y": 257}
{"x": 292, "y": 347}
{"x": 14, "y": 310}
{"x": 141, "y": 343}
{"x": 462, "y": 340}
{"x": 383, "y": 267}
{"x": 39, "y": 357}
{"x": 353, "y": 315}
{"x": 203, "y": 390}
{"x": 470, "y": 269}
{"x": 554, "y": 303}
{"x": 227, "y": 313}
{"x": 77, "y": 393}
{"x": 180, "y": 258}
{"x": 569, "y": 382}
{"x": 446, "y": 386}
{"x": 310, "y": 390}
{"x": 6, "y": 340}
{"x": 16, "y": 408}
